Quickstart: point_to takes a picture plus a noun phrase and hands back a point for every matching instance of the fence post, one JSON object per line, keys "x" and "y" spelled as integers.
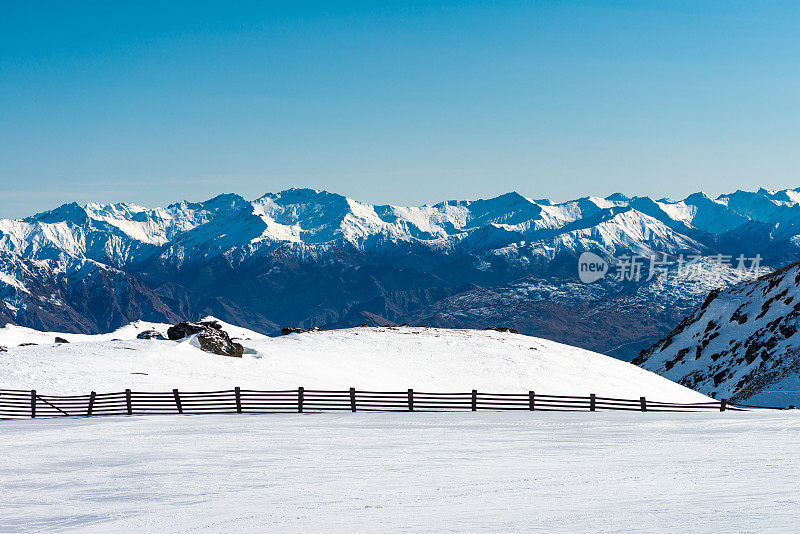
{"x": 238, "y": 392}
{"x": 300, "y": 400}
{"x": 33, "y": 404}
{"x": 177, "y": 400}
{"x": 352, "y": 399}
{"x": 128, "y": 401}
{"x": 723, "y": 404}
{"x": 643, "y": 403}
{"x": 474, "y": 400}
{"x": 531, "y": 400}
{"x": 592, "y": 402}
{"x": 410, "y": 400}
{"x": 91, "y": 403}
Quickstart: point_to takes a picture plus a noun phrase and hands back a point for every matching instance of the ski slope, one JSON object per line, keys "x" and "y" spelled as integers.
{"x": 400, "y": 472}
{"x": 388, "y": 359}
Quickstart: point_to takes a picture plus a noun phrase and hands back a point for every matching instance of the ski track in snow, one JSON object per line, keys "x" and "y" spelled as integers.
{"x": 422, "y": 472}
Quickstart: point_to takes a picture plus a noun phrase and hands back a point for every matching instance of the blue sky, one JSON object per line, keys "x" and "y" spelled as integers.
{"x": 397, "y": 102}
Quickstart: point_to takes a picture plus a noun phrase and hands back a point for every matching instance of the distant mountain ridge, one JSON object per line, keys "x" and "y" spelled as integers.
{"x": 310, "y": 257}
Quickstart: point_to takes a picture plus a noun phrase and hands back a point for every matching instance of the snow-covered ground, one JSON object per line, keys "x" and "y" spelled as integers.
{"x": 388, "y": 359}
{"x": 422, "y": 472}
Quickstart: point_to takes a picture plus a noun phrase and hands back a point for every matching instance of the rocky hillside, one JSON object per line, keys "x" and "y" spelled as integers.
{"x": 741, "y": 343}
{"x": 312, "y": 258}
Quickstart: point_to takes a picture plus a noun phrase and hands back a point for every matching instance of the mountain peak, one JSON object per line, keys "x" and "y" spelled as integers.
{"x": 70, "y": 212}
{"x": 700, "y": 196}
{"x": 300, "y": 194}
{"x": 225, "y": 201}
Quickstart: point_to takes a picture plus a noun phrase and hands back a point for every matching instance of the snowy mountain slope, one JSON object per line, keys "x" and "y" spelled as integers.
{"x": 308, "y": 257}
{"x": 739, "y": 344}
{"x": 367, "y": 358}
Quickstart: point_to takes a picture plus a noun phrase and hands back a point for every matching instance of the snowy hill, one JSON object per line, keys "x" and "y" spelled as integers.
{"x": 740, "y": 344}
{"x": 387, "y": 359}
{"x": 313, "y": 258}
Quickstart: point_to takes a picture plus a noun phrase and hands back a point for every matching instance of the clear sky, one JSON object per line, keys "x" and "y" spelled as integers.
{"x": 395, "y": 102}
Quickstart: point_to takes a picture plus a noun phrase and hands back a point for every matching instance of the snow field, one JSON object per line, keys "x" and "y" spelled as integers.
{"x": 422, "y": 472}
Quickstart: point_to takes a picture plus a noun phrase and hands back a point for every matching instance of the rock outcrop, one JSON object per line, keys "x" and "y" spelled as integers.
{"x": 502, "y": 329}
{"x": 210, "y": 337}
{"x": 286, "y": 330}
{"x": 150, "y": 334}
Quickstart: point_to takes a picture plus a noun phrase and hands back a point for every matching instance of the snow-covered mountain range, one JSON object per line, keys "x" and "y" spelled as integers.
{"x": 306, "y": 257}
{"x": 740, "y": 344}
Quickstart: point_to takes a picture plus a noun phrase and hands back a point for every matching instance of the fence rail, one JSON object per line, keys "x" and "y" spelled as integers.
{"x": 16, "y": 404}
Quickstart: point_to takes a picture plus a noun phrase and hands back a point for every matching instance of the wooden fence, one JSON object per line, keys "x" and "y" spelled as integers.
{"x": 30, "y": 404}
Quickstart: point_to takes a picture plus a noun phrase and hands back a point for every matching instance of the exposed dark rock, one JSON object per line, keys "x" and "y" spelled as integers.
{"x": 751, "y": 352}
{"x": 27, "y": 344}
{"x": 150, "y": 334}
{"x": 738, "y": 316}
{"x": 187, "y": 328}
{"x": 210, "y": 336}
{"x": 502, "y": 329}
{"x": 218, "y": 342}
{"x": 286, "y": 330}
{"x": 788, "y": 330}
{"x": 719, "y": 377}
{"x": 61, "y": 340}
{"x": 3, "y": 349}
{"x": 710, "y": 298}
